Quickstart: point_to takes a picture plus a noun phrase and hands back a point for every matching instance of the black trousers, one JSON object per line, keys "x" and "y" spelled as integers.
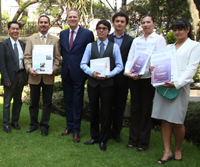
{"x": 105, "y": 95}
{"x": 119, "y": 104}
{"x": 15, "y": 92}
{"x": 142, "y": 93}
{"x": 47, "y": 91}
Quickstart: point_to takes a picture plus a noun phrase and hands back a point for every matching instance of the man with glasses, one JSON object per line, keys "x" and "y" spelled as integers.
{"x": 13, "y": 75}
{"x": 101, "y": 87}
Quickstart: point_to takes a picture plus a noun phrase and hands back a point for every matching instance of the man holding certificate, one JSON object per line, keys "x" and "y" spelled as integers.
{"x": 101, "y": 54}
{"x": 39, "y": 74}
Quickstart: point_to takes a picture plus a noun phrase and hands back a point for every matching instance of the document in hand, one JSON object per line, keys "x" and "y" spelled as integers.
{"x": 165, "y": 66}
{"x": 42, "y": 59}
{"x": 101, "y": 65}
{"x": 141, "y": 57}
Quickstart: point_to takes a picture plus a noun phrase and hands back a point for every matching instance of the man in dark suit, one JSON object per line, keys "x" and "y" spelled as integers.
{"x": 124, "y": 41}
{"x": 44, "y": 81}
{"x": 13, "y": 75}
{"x": 73, "y": 42}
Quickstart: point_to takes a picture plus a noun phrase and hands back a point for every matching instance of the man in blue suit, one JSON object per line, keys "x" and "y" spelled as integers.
{"x": 73, "y": 42}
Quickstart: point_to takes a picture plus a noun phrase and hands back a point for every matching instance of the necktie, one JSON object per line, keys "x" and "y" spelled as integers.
{"x": 101, "y": 49}
{"x": 71, "y": 40}
{"x": 17, "y": 56}
{"x": 42, "y": 41}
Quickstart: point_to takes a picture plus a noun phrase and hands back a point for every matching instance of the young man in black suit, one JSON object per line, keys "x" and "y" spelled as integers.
{"x": 13, "y": 75}
{"x": 124, "y": 41}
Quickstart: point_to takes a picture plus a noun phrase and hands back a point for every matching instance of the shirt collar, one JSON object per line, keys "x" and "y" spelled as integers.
{"x": 153, "y": 34}
{"x": 118, "y": 37}
{"x": 44, "y": 35}
{"x": 104, "y": 42}
{"x": 76, "y": 30}
{"x": 13, "y": 42}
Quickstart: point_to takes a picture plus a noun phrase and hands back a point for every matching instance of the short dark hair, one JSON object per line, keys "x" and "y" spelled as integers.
{"x": 74, "y": 9}
{"x": 148, "y": 15}
{"x": 44, "y": 16}
{"x": 122, "y": 15}
{"x": 105, "y": 23}
{"x": 13, "y": 22}
{"x": 182, "y": 23}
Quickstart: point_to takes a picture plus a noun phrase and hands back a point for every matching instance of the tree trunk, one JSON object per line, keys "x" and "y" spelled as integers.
{"x": 124, "y": 6}
{"x": 195, "y": 15}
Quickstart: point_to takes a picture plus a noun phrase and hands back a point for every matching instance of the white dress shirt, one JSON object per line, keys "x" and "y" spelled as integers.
{"x": 74, "y": 34}
{"x": 45, "y": 37}
{"x": 160, "y": 43}
{"x": 20, "y": 52}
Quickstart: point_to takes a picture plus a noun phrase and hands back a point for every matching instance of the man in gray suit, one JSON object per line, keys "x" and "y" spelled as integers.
{"x": 13, "y": 75}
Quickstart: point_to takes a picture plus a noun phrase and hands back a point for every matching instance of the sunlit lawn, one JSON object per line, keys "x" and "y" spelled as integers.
{"x": 19, "y": 149}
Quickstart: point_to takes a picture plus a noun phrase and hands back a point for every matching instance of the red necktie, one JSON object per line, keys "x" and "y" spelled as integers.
{"x": 71, "y": 40}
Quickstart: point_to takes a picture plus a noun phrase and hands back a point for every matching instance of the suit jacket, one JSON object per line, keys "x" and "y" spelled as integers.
{"x": 188, "y": 59}
{"x": 72, "y": 58}
{"x": 35, "y": 40}
{"x": 8, "y": 61}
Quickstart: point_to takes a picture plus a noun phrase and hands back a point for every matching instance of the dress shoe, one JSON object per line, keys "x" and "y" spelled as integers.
{"x": 118, "y": 140}
{"x": 66, "y": 132}
{"x": 32, "y": 129}
{"x": 44, "y": 132}
{"x": 92, "y": 141}
{"x": 76, "y": 137}
{"x": 102, "y": 146}
{"x": 7, "y": 129}
{"x": 16, "y": 126}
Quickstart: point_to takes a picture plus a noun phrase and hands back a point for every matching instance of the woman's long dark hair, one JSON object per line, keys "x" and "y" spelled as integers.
{"x": 182, "y": 23}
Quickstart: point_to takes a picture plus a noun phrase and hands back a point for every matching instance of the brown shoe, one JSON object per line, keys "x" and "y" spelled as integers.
{"x": 76, "y": 137}
{"x": 66, "y": 132}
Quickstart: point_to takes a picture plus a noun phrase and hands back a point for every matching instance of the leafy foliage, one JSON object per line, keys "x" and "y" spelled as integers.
{"x": 170, "y": 38}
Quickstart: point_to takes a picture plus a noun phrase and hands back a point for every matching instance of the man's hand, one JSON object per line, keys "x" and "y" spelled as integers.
{"x": 151, "y": 68}
{"x": 8, "y": 84}
{"x": 32, "y": 72}
{"x": 51, "y": 73}
{"x": 132, "y": 75}
{"x": 96, "y": 76}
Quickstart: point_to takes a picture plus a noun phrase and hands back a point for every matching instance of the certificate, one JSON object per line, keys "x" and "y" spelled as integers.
{"x": 42, "y": 59}
{"x": 101, "y": 65}
{"x": 165, "y": 66}
{"x": 141, "y": 57}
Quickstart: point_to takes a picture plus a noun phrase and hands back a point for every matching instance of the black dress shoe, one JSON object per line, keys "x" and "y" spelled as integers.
{"x": 16, "y": 126}
{"x": 118, "y": 140}
{"x": 7, "y": 129}
{"x": 44, "y": 132}
{"x": 32, "y": 129}
{"x": 102, "y": 146}
{"x": 92, "y": 141}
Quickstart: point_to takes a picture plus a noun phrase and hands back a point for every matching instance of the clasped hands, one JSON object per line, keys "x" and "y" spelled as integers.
{"x": 34, "y": 73}
{"x": 167, "y": 84}
{"x": 96, "y": 76}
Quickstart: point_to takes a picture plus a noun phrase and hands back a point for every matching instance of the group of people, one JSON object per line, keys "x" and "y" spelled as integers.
{"x": 106, "y": 93}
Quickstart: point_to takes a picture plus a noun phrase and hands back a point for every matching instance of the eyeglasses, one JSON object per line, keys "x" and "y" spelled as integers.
{"x": 102, "y": 28}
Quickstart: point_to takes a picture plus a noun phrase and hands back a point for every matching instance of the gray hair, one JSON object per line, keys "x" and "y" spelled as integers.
{"x": 74, "y": 9}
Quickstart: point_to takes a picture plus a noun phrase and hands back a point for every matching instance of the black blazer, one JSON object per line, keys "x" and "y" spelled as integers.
{"x": 8, "y": 62}
{"x": 125, "y": 46}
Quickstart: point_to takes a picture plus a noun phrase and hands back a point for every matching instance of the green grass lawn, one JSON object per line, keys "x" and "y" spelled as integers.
{"x": 21, "y": 149}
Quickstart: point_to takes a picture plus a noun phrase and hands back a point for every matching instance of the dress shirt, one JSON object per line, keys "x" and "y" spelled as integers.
{"x": 119, "y": 40}
{"x": 116, "y": 55}
{"x": 74, "y": 34}
{"x": 45, "y": 37}
{"x": 160, "y": 43}
{"x": 20, "y": 51}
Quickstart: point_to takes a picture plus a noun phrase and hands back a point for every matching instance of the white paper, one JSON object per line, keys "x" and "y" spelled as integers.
{"x": 101, "y": 65}
{"x": 42, "y": 59}
{"x": 165, "y": 64}
{"x": 143, "y": 48}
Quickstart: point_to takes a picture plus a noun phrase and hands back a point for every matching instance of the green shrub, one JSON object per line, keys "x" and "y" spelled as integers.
{"x": 57, "y": 86}
{"x": 170, "y": 38}
{"x": 1, "y": 91}
{"x": 192, "y": 122}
